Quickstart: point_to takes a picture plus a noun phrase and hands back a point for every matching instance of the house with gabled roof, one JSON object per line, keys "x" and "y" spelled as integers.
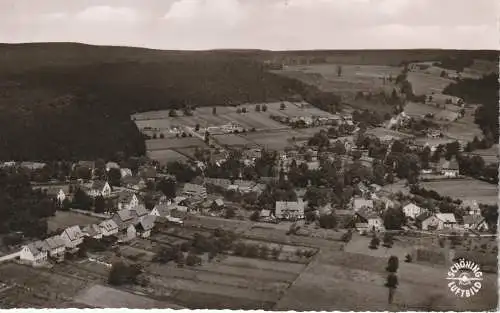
{"x": 123, "y": 218}
{"x": 450, "y": 168}
{"x": 475, "y": 222}
{"x": 108, "y": 228}
{"x": 125, "y": 172}
{"x": 412, "y": 210}
{"x": 72, "y": 236}
{"x": 372, "y": 220}
{"x": 446, "y": 221}
{"x": 289, "y": 210}
{"x": 56, "y": 247}
{"x": 139, "y": 211}
{"x": 127, "y": 200}
{"x": 195, "y": 191}
{"x": 99, "y": 188}
{"x": 360, "y": 203}
{"x": 92, "y": 231}
{"x": 34, "y": 254}
{"x": 436, "y": 221}
{"x": 471, "y": 207}
{"x": 145, "y": 226}
{"x": 133, "y": 182}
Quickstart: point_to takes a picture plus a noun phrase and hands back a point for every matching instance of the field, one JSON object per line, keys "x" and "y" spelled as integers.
{"x": 165, "y": 156}
{"x": 427, "y": 84}
{"x": 419, "y": 109}
{"x": 381, "y": 132}
{"x": 464, "y": 129}
{"x": 489, "y": 155}
{"x": 64, "y": 219}
{"x": 475, "y": 190}
{"x": 167, "y": 144}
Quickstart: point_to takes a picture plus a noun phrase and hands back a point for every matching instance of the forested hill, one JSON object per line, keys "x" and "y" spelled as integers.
{"x": 61, "y": 104}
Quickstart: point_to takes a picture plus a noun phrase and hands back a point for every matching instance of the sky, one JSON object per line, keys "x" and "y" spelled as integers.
{"x": 255, "y": 24}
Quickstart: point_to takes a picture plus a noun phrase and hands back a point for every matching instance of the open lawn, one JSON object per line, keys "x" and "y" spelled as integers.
{"x": 426, "y": 84}
{"x": 464, "y": 128}
{"x": 415, "y": 109}
{"x": 64, "y": 219}
{"x": 276, "y": 140}
{"x": 489, "y": 155}
{"x": 233, "y": 140}
{"x": 173, "y": 143}
{"x": 480, "y": 191}
{"x": 165, "y": 156}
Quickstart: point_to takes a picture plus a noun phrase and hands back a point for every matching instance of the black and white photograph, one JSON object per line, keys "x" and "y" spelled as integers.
{"x": 277, "y": 155}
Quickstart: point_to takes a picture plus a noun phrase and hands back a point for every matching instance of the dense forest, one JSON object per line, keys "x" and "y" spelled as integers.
{"x": 482, "y": 91}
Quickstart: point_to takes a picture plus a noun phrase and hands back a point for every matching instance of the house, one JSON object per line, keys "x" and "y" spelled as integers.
{"x": 475, "y": 222}
{"x": 471, "y": 207}
{"x": 450, "y": 168}
{"x": 360, "y": 203}
{"x": 161, "y": 210}
{"x": 195, "y": 191}
{"x": 289, "y": 210}
{"x": 72, "y": 236}
{"x": 111, "y": 165}
{"x": 145, "y": 226}
{"x": 33, "y": 165}
{"x": 123, "y": 218}
{"x": 372, "y": 220}
{"x": 139, "y": 211}
{"x": 130, "y": 233}
{"x": 127, "y": 200}
{"x": 100, "y": 188}
{"x": 244, "y": 186}
{"x": 218, "y": 182}
{"x": 92, "y": 231}
{"x": 446, "y": 221}
{"x": 412, "y": 210}
{"x": 108, "y": 228}
{"x": 438, "y": 221}
{"x": 218, "y": 204}
{"x": 133, "y": 182}
{"x": 56, "y": 247}
{"x": 33, "y": 253}
{"x": 125, "y": 172}
{"x": 266, "y": 216}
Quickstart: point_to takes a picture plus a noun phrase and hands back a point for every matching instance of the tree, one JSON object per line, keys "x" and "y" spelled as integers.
{"x": 408, "y": 258}
{"x": 172, "y": 113}
{"x": 339, "y": 70}
{"x": 114, "y": 177}
{"x": 374, "y": 243}
{"x": 81, "y": 200}
{"x": 243, "y": 110}
{"x": 192, "y": 259}
{"x": 275, "y": 252}
{"x": 257, "y": 108}
{"x": 388, "y": 240}
{"x": 197, "y": 127}
{"x": 392, "y": 264}
{"x": 347, "y": 236}
{"x": 66, "y": 204}
{"x": 238, "y": 110}
{"x": 282, "y": 106}
{"x": 214, "y": 111}
{"x": 391, "y": 283}
{"x": 328, "y": 221}
{"x": 255, "y": 216}
{"x": 99, "y": 204}
{"x": 122, "y": 273}
{"x": 264, "y": 108}
{"x": 230, "y": 213}
{"x": 263, "y": 251}
{"x": 168, "y": 187}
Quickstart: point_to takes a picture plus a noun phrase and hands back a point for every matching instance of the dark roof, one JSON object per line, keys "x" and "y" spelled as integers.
{"x": 98, "y": 184}
{"x": 131, "y": 180}
{"x": 422, "y": 217}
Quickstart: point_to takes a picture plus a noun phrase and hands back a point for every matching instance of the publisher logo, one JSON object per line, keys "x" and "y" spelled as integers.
{"x": 464, "y": 278}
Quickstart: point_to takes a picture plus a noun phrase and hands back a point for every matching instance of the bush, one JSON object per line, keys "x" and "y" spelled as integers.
{"x": 392, "y": 264}
{"x": 275, "y": 253}
{"x": 263, "y": 252}
{"x": 408, "y": 258}
{"x": 122, "y": 273}
{"x": 192, "y": 260}
{"x": 374, "y": 243}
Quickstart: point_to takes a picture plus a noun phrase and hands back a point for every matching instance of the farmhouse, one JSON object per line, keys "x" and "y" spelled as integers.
{"x": 100, "y": 188}
{"x": 371, "y": 219}
{"x": 72, "y": 237}
{"x": 471, "y": 207}
{"x": 127, "y": 200}
{"x": 33, "y": 253}
{"x": 108, "y": 228}
{"x": 133, "y": 182}
{"x": 195, "y": 191}
{"x": 56, "y": 247}
{"x": 450, "y": 168}
{"x": 475, "y": 222}
{"x": 289, "y": 210}
{"x": 145, "y": 226}
{"x": 123, "y": 218}
{"x": 92, "y": 231}
{"x": 412, "y": 210}
{"x": 438, "y": 221}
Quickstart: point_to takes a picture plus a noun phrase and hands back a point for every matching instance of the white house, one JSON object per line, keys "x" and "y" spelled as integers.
{"x": 446, "y": 221}
{"x": 92, "y": 231}
{"x": 100, "y": 188}
{"x": 125, "y": 172}
{"x": 438, "y": 221}
{"x": 56, "y": 247}
{"x": 60, "y": 196}
{"x": 471, "y": 207}
{"x": 33, "y": 253}
{"x": 360, "y": 203}
{"x": 72, "y": 237}
{"x": 127, "y": 200}
{"x": 194, "y": 190}
{"x": 370, "y": 219}
{"x": 450, "y": 169}
{"x": 108, "y": 228}
{"x": 289, "y": 210}
{"x": 412, "y": 210}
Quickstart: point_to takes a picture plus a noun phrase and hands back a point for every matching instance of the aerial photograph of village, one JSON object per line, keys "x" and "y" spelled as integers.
{"x": 141, "y": 176}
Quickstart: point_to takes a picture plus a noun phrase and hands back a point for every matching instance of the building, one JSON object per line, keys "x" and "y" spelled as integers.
{"x": 123, "y": 219}
{"x": 108, "y": 228}
{"x": 33, "y": 165}
{"x": 72, "y": 237}
{"x": 446, "y": 221}
{"x": 33, "y": 254}
{"x": 372, "y": 220}
{"x": 360, "y": 203}
{"x": 289, "y": 210}
{"x": 56, "y": 248}
{"x": 133, "y": 182}
{"x": 145, "y": 226}
{"x": 471, "y": 207}
{"x": 139, "y": 211}
{"x": 127, "y": 200}
{"x": 450, "y": 168}
{"x": 148, "y": 173}
{"x": 100, "y": 188}
{"x": 438, "y": 221}
{"x": 475, "y": 222}
{"x": 92, "y": 231}
{"x": 195, "y": 191}
{"x": 125, "y": 172}
{"x": 412, "y": 210}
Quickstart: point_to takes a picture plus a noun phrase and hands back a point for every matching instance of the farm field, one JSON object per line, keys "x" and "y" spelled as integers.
{"x": 276, "y": 140}
{"x": 233, "y": 140}
{"x": 489, "y": 155}
{"x": 165, "y": 156}
{"x": 350, "y": 281}
{"x": 427, "y": 84}
{"x": 464, "y": 129}
{"x": 63, "y": 219}
{"x": 354, "y": 78}
{"x": 166, "y": 144}
{"x": 381, "y": 132}
{"x": 478, "y": 190}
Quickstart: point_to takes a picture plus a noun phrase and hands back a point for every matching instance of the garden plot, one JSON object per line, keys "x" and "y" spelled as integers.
{"x": 272, "y": 140}
{"x": 63, "y": 219}
{"x": 166, "y": 156}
